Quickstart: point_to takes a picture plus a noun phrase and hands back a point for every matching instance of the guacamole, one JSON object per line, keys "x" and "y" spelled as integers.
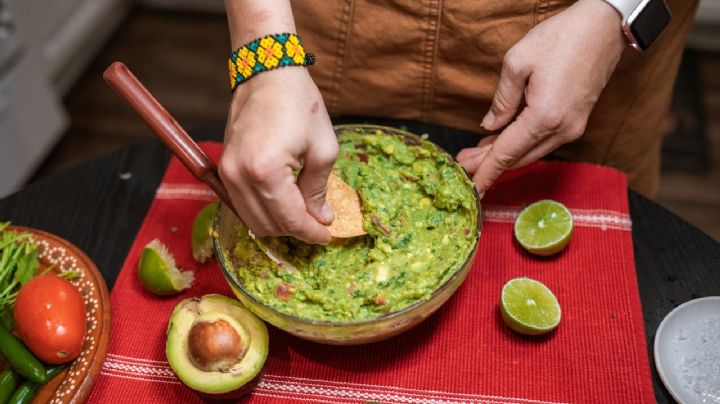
{"x": 421, "y": 217}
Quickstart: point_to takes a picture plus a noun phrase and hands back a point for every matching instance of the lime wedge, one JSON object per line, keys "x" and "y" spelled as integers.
{"x": 201, "y": 237}
{"x": 544, "y": 228}
{"x": 158, "y": 273}
{"x": 529, "y": 307}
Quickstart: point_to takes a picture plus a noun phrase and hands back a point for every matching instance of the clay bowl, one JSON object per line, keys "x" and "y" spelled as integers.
{"x": 74, "y": 384}
{"x": 336, "y": 332}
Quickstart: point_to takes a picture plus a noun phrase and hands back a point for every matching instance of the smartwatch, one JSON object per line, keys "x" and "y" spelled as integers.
{"x": 642, "y": 20}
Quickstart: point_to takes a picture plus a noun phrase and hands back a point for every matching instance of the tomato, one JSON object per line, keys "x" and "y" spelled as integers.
{"x": 50, "y": 318}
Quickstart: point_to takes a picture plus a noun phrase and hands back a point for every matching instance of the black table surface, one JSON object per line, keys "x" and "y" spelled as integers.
{"x": 99, "y": 206}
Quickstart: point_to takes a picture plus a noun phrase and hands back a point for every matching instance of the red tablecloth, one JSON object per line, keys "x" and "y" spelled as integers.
{"x": 463, "y": 353}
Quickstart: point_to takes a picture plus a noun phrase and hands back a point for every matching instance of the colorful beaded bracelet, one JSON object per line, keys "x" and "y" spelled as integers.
{"x": 267, "y": 53}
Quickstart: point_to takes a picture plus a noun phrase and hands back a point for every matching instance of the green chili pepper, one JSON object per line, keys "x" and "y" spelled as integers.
{"x": 8, "y": 382}
{"x": 20, "y": 358}
{"x": 26, "y": 392}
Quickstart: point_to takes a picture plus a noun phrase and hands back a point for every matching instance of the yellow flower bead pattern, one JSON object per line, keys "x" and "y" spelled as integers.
{"x": 267, "y": 42}
{"x": 267, "y": 53}
{"x": 245, "y": 62}
{"x": 294, "y": 50}
{"x": 233, "y": 72}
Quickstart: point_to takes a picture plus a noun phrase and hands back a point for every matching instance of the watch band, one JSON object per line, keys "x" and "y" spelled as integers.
{"x": 625, "y": 7}
{"x": 642, "y": 20}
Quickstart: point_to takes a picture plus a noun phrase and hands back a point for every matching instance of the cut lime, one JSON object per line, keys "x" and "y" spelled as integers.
{"x": 529, "y": 307}
{"x": 544, "y": 228}
{"x": 158, "y": 273}
{"x": 201, "y": 238}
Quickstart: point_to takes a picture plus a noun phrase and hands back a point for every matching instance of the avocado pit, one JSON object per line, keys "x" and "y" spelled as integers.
{"x": 214, "y": 346}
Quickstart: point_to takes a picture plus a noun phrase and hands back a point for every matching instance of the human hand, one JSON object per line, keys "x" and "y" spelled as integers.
{"x": 559, "y": 69}
{"x": 278, "y": 124}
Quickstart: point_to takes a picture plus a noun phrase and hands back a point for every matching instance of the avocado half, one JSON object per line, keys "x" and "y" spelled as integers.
{"x": 216, "y": 346}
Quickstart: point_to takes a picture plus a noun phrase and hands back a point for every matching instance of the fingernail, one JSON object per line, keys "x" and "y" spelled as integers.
{"x": 488, "y": 121}
{"x": 326, "y": 213}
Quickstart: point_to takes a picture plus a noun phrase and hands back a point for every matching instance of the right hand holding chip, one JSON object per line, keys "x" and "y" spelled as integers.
{"x": 278, "y": 124}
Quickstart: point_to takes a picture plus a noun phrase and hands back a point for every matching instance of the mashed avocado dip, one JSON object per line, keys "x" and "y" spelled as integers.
{"x": 421, "y": 217}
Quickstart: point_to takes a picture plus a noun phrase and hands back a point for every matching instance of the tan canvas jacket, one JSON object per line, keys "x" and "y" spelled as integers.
{"x": 439, "y": 61}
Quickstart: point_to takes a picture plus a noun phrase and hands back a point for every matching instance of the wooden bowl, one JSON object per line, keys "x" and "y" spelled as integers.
{"x": 74, "y": 384}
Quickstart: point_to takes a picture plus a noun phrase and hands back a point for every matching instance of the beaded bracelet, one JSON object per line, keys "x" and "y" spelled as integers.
{"x": 267, "y": 53}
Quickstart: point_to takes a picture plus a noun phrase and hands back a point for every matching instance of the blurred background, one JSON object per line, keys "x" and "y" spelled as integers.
{"x": 56, "y": 111}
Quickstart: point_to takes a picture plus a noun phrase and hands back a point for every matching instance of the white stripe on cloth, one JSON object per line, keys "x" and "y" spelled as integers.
{"x": 154, "y": 371}
{"x": 602, "y": 219}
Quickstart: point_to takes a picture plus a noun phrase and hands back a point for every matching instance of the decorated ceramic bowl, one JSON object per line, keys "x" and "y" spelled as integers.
{"x": 74, "y": 384}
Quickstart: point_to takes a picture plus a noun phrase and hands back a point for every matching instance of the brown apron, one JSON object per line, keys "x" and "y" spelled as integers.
{"x": 439, "y": 61}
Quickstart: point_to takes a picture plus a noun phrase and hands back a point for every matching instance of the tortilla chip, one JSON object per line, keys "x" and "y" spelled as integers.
{"x": 345, "y": 203}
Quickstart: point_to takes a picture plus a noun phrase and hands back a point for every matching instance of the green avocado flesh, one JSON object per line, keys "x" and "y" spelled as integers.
{"x": 249, "y": 327}
{"x": 420, "y": 213}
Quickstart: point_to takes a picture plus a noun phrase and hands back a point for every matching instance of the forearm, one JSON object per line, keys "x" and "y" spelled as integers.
{"x": 250, "y": 19}
{"x": 604, "y": 12}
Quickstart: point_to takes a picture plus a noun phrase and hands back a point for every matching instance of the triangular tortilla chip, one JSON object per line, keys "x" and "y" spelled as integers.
{"x": 345, "y": 203}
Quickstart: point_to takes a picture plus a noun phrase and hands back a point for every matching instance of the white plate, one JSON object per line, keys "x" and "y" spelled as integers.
{"x": 687, "y": 351}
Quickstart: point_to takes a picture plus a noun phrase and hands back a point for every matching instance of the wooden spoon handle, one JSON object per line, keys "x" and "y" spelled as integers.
{"x": 166, "y": 128}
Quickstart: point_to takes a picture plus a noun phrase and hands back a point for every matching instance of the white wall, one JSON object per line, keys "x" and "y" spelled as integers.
{"x": 44, "y": 46}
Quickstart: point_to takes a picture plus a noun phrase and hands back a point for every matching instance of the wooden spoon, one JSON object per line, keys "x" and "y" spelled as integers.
{"x": 343, "y": 200}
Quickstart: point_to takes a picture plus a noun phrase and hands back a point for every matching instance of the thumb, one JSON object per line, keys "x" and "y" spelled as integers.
{"x": 313, "y": 179}
{"x": 509, "y": 93}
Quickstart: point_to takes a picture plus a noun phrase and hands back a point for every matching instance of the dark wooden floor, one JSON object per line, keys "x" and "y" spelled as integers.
{"x": 181, "y": 58}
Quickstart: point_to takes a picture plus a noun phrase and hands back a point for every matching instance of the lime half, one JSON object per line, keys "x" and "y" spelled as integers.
{"x": 529, "y": 307}
{"x": 201, "y": 237}
{"x": 158, "y": 273}
{"x": 544, "y": 228}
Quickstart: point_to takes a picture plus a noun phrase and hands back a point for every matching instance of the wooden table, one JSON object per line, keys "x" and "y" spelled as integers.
{"x": 99, "y": 206}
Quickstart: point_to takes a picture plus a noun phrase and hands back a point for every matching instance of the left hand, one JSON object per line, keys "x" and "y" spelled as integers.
{"x": 560, "y": 68}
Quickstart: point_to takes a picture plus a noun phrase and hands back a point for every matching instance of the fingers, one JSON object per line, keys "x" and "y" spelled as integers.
{"x": 244, "y": 198}
{"x": 513, "y": 77}
{"x": 514, "y": 142}
{"x": 313, "y": 178}
{"x": 470, "y": 158}
{"x": 536, "y": 133}
{"x": 254, "y": 214}
{"x": 487, "y": 140}
{"x": 268, "y": 200}
{"x": 541, "y": 150}
{"x": 289, "y": 212}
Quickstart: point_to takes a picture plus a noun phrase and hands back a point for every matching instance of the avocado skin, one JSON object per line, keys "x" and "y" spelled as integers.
{"x": 235, "y": 394}
{"x": 183, "y": 367}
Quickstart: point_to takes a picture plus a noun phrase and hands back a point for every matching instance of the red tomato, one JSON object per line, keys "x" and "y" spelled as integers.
{"x": 50, "y": 318}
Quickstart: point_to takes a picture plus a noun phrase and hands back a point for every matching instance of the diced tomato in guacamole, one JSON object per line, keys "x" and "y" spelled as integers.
{"x": 421, "y": 217}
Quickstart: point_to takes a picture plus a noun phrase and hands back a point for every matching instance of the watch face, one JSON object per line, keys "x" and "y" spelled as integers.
{"x": 650, "y": 22}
